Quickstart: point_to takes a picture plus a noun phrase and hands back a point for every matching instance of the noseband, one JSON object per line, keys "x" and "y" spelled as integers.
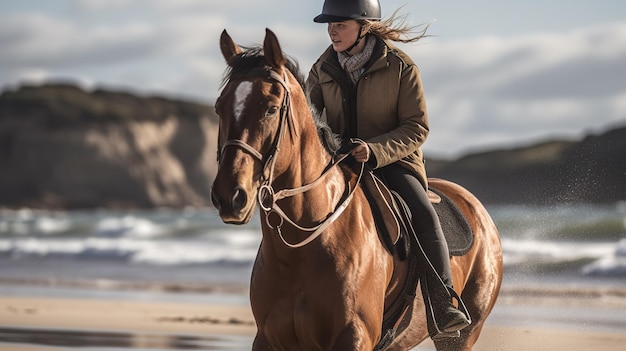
{"x": 266, "y": 196}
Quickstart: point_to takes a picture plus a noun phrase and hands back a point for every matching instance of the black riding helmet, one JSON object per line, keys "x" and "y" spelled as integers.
{"x": 341, "y": 10}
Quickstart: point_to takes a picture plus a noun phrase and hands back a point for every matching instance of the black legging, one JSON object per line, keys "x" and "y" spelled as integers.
{"x": 425, "y": 220}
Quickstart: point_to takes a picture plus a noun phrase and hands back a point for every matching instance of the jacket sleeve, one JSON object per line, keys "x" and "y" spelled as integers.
{"x": 412, "y": 128}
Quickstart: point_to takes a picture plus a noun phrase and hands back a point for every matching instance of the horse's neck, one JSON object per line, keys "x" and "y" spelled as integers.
{"x": 306, "y": 164}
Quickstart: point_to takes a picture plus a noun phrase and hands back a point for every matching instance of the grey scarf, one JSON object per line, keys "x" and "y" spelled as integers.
{"x": 354, "y": 64}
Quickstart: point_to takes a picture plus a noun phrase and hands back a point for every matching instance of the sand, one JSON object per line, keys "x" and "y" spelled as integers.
{"x": 126, "y": 315}
{"x": 187, "y": 318}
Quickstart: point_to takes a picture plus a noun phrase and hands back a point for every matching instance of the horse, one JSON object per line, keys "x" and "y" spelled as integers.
{"x": 322, "y": 278}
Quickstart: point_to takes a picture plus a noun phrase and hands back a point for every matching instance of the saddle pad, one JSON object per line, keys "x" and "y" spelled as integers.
{"x": 456, "y": 229}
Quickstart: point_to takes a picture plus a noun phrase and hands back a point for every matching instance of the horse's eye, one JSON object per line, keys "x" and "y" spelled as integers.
{"x": 271, "y": 111}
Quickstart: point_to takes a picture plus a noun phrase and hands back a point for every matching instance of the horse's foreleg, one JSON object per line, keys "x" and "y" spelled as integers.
{"x": 260, "y": 343}
{"x": 355, "y": 338}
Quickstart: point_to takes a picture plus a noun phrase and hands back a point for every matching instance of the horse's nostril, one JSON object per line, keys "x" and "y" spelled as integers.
{"x": 239, "y": 199}
{"x": 215, "y": 200}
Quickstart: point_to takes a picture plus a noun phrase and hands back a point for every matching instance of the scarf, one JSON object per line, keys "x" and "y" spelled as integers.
{"x": 354, "y": 65}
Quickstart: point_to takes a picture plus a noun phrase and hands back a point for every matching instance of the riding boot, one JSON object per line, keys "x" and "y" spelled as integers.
{"x": 449, "y": 318}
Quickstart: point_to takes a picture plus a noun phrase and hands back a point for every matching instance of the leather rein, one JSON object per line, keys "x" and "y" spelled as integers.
{"x": 267, "y": 197}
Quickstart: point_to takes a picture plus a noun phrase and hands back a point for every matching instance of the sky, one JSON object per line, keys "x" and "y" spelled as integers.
{"x": 496, "y": 74}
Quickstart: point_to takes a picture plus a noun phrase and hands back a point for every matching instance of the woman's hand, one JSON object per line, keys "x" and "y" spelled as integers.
{"x": 360, "y": 151}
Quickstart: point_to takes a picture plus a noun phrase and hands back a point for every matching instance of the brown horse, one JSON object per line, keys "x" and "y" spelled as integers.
{"x": 322, "y": 278}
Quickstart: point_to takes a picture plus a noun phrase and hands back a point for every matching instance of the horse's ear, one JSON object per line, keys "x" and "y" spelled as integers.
{"x": 272, "y": 51}
{"x": 228, "y": 47}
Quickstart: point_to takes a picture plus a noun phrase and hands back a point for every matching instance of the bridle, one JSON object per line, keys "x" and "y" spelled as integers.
{"x": 267, "y": 197}
{"x": 285, "y": 117}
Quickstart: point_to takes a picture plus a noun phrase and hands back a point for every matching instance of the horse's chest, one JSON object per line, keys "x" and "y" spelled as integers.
{"x": 278, "y": 324}
{"x": 299, "y": 310}
{"x": 299, "y": 322}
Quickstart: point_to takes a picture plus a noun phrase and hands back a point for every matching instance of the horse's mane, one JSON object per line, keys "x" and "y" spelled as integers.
{"x": 330, "y": 140}
{"x": 251, "y": 59}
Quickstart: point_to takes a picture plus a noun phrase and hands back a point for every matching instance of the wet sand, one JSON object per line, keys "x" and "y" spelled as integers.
{"x": 35, "y": 323}
{"x": 128, "y": 316}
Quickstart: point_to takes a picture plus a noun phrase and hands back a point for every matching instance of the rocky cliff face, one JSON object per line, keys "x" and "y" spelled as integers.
{"x": 62, "y": 147}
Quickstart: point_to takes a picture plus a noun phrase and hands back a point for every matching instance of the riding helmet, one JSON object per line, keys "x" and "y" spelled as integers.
{"x": 342, "y": 10}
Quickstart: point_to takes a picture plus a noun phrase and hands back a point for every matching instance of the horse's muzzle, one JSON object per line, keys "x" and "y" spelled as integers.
{"x": 232, "y": 205}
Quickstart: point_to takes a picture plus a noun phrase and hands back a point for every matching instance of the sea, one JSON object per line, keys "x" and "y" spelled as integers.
{"x": 190, "y": 255}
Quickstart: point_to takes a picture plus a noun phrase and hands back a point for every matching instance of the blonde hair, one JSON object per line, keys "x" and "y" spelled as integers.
{"x": 396, "y": 28}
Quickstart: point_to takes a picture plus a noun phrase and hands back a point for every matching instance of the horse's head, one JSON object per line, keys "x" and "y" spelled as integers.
{"x": 254, "y": 111}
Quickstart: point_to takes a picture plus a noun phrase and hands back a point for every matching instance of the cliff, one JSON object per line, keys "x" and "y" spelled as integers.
{"x": 62, "y": 147}
{"x": 592, "y": 170}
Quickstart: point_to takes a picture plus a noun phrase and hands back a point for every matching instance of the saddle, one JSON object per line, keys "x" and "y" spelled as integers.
{"x": 393, "y": 220}
{"x": 388, "y": 209}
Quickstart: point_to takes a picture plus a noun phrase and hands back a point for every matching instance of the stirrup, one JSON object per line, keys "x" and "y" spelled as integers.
{"x": 453, "y": 319}
{"x": 462, "y": 308}
{"x": 446, "y": 335}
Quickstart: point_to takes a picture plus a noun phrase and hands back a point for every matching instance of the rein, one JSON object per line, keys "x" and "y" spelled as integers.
{"x": 267, "y": 197}
{"x": 318, "y": 229}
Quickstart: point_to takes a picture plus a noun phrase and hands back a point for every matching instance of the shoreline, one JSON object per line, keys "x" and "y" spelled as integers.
{"x": 138, "y": 324}
{"x": 510, "y": 289}
{"x": 613, "y": 295}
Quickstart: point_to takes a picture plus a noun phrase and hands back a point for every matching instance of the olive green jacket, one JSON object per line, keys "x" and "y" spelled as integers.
{"x": 387, "y": 109}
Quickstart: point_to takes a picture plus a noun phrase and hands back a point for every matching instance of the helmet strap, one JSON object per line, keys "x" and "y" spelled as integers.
{"x": 358, "y": 40}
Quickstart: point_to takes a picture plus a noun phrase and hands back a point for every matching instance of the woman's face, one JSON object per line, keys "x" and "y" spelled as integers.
{"x": 343, "y": 34}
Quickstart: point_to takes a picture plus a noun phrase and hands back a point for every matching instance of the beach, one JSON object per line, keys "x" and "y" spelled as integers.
{"x": 169, "y": 279}
{"x": 38, "y": 323}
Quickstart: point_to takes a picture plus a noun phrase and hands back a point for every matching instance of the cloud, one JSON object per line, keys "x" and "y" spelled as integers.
{"x": 491, "y": 91}
{"x": 136, "y": 54}
{"x": 510, "y": 66}
{"x": 41, "y": 41}
{"x": 481, "y": 91}
{"x": 583, "y": 64}
{"x": 189, "y": 6}
{"x": 98, "y": 6}
{"x": 166, "y": 46}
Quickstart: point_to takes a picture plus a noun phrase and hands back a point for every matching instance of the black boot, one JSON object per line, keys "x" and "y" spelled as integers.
{"x": 447, "y": 318}
{"x": 451, "y": 319}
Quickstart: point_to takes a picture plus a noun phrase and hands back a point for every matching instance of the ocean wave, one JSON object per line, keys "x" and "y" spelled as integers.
{"x": 612, "y": 265}
{"x": 233, "y": 247}
{"x": 128, "y": 226}
{"x": 26, "y": 222}
{"x": 153, "y": 237}
{"x": 147, "y": 224}
{"x": 588, "y": 258}
{"x": 586, "y": 239}
{"x": 521, "y": 251}
{"x": 561, "y": 223}
{"x": 240, "y": 246}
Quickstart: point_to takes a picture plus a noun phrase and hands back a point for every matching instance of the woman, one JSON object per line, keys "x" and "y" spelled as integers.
{"x": 371, "y": 91}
